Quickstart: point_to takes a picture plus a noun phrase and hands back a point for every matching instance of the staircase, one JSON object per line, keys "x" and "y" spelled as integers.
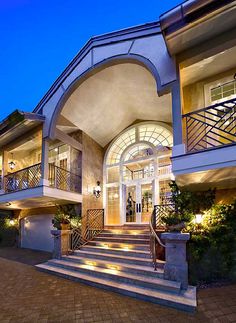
{"x": 119, "y": 260}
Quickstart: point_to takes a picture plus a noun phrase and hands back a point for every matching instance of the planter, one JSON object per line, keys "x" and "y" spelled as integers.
{"x": 176, "y": 227}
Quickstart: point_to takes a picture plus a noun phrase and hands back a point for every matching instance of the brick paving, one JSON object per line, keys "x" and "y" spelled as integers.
{"x": 27, "y": 295}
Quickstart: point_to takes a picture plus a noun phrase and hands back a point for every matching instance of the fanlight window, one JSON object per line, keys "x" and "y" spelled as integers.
{"x": 139, "y": 151}
{"x": 155, "y": 134}
{"x": 128, "y": 138}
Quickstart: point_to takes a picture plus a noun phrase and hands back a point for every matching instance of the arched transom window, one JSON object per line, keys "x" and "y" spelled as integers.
{"x": 153, "y": 133}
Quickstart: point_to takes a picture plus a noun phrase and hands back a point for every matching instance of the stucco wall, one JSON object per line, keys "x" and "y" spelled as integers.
{"x": 92, "y": 165}
{"x": 193, "y": 94}
{"x": 225, "y": 196}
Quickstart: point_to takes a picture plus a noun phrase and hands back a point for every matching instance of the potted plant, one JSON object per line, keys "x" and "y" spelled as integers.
{"x": 184, "y": 205}
{"x": 61, "y": 219}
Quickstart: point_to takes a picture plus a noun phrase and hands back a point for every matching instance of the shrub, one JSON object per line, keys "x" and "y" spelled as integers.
{"x": 211, "y": 250}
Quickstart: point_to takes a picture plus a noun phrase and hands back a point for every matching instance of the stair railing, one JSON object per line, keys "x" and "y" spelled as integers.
{"x": 92, "y": 225}
{"x": 154, "y": 239}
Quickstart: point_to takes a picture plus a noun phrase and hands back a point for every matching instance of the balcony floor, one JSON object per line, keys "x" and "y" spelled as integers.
{"x": 41, "y": 196}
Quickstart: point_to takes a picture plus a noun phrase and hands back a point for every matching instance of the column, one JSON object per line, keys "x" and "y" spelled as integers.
{"x": 176, "y": 266}
{"x": 44, "y": 163}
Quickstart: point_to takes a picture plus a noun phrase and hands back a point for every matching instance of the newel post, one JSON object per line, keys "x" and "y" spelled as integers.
{"x": 61, "y": 243}
{"x": 176, "y": 266}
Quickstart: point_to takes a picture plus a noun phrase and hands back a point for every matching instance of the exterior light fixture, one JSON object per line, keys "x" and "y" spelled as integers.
{"x": 12, "y": 222}
{"x": 12, "y": 164}
{"x": 198, "y": 218}
{"x": 97, "y": 190}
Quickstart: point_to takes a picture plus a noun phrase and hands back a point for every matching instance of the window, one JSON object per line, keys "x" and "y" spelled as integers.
{"x": 223, "y": 91}
{"x": 155, "y": 134}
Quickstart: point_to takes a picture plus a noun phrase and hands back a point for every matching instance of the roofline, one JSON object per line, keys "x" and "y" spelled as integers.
{"x": 10, "y": 121}
{"x": 188, "y": 12}
{"x": 134, "y": 32}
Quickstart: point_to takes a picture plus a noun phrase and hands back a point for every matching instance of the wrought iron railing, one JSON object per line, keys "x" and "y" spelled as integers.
{"x": 63, "y": 179}
{"x": 23, "y": 179}
{"x": 157, "y": 224}
{"x": 211, "y": 127}
{"x": 92, "y": 225}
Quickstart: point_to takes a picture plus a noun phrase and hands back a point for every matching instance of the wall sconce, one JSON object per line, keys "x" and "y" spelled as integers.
{"x": 97, "y": 190}
{"x": 198, "y": 218}
{"x": 12, "y": 164}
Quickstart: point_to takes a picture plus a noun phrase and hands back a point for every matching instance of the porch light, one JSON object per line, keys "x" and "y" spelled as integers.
{"x": 12, "y": 164}
{"x": 198, "y": 218}
{"x": 97, "y": 190}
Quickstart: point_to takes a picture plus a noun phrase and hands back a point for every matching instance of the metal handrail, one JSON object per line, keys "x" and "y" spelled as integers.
{"x": 24, "y": 178}
{"x": 221, "y": 104}
{"x": 154, "y": 239}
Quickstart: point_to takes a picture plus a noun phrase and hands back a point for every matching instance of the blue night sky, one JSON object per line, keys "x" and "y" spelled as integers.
{"x": 40, "y": 37}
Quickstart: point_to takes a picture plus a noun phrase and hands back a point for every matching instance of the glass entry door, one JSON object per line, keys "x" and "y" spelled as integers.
{"x": 138, "y": 202}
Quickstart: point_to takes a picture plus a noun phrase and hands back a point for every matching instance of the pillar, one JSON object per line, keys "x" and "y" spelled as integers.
{"x": 176, "y": 266}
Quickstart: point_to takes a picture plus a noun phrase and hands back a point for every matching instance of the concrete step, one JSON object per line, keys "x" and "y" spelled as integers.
{"x": 124, "y": 267}
{"x": 185, "y": 300}
{"x": 116, "y": 251}
{"x": 113, "y": 273}
{"x": 118, "y": 245}
{"x": 124, "y": 235}
{"x": 118, "y": 258}
{"x": 128, "y": 240}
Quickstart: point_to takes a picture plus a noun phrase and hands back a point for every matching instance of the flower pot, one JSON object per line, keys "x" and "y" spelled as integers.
{"x": 176, "y": 227}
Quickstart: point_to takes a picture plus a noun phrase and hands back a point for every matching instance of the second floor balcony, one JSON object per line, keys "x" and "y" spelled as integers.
{"x": 211, "y": 127}
{"x": 31, "y": 176}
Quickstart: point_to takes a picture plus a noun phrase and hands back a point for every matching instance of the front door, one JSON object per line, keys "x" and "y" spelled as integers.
{"x": 138, "y": 202}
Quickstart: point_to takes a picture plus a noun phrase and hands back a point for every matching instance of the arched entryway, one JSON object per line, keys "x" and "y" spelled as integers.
{"x": 137, "y": 170}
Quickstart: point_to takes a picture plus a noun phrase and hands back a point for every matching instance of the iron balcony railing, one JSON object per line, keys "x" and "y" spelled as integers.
{"x": 64, "y": 180}
{"x": 30, "y": 177}
{"x": 211, "y": 127}
{"x": 23, "y": 179}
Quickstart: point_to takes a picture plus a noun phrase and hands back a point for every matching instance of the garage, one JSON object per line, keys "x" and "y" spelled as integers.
{"x": 35, "y": 232}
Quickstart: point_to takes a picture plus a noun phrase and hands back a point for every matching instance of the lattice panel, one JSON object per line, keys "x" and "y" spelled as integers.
{"x": 159, "y": 212}
{"x": 64, "y": 180}
{"x": 211, "y": 127}
{"x": 26, "y": 178}
{"x": 91, "y": 226}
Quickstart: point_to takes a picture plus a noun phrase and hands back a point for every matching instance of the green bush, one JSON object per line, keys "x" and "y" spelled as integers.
{"x": 211, "y": 250}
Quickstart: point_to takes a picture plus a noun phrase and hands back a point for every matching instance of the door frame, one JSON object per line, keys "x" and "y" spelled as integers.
{"x": 138, "y": 186}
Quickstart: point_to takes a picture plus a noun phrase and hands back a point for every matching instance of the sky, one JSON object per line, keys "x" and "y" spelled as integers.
{"x": 38, "y": 39}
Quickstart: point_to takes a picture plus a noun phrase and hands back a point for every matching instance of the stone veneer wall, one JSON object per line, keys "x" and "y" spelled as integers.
{"x": 92, "y": 171}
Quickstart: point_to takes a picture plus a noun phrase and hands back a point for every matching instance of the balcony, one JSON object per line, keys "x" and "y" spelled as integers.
{"x": 211, "y": 127}
{"x": 25, "y": 187}
{"x": 208, "y": 157}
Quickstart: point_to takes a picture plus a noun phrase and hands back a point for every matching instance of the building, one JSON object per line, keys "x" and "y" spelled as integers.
{"x": 133, "y": 110}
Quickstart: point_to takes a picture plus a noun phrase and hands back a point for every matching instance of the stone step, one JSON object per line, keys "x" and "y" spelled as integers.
{"x": 118, "y": 245}
{"x": 185, "y": 300}
{"x": 114, "y": 274}
{"x": 124, "y": 235}
{"x": 118, "y": 258}
{"x": 116, "y": 251}
{"x": 122, "y": 240}
{"x": 124, "y": 267}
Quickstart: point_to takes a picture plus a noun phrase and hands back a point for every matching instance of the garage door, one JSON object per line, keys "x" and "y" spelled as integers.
{"x": 35, "y": 232}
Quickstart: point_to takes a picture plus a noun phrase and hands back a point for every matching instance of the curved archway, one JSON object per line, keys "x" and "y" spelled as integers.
{"x": 137, "y": 170}
{"x": 113, "y": 60}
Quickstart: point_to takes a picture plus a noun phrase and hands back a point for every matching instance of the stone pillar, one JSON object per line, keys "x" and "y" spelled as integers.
{"x": 61, "y": 243}
{"x": 176, "y": 266}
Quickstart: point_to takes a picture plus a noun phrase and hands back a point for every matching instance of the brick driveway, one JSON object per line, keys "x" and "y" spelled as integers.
{"x": 27, "y": 295}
